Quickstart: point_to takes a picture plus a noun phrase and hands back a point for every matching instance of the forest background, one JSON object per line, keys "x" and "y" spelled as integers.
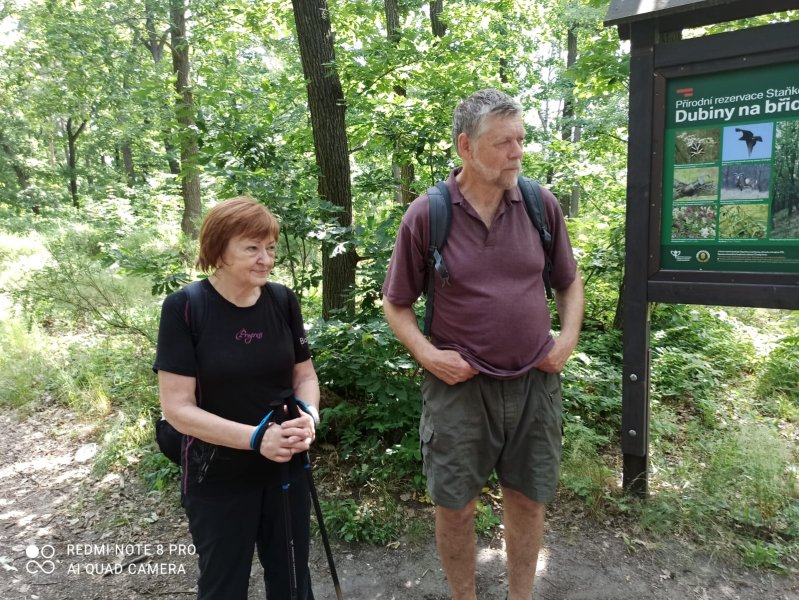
{"x": 122, "y": 122}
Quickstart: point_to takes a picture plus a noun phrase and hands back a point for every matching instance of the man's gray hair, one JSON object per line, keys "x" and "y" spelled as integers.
{"x": 471, "y": 112}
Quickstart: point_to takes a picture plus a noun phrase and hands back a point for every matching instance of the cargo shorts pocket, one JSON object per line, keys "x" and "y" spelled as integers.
{"x": 426, "y": 432}
{"x": 552, "y": 387}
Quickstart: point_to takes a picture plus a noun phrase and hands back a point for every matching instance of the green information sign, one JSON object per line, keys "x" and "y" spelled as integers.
{"x": 731, "y": 172}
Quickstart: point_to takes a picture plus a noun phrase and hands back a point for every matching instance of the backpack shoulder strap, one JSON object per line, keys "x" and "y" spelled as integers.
{"x": 531, "y": 192}
{"x": 440, "y": 220}
{"x": 197, "y": 300}
{"x": 280, "y": 295}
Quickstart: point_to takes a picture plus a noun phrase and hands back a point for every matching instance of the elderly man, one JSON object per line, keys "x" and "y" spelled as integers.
{"x": 492, "y": 387}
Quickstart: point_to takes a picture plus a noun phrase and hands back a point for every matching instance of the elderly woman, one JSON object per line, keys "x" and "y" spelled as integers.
{"x": 223, "y": 388}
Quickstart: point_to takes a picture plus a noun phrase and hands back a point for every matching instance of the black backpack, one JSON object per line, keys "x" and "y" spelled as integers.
{"x": 441, "y": 218}
{"x": 168, "y": 438}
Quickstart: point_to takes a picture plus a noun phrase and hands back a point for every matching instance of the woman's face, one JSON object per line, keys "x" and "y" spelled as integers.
{"x": 248, "y": 261}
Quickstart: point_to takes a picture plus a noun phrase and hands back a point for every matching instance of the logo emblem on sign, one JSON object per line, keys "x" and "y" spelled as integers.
{"x": 703, "y": 256}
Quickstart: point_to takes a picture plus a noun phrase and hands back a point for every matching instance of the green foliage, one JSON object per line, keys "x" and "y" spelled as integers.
{"x": 583, "y": 471}
{"x": 135, "y": 255}
{"x": 105, "y": 372}
{"x": 757, "y": 461}
{"x": 75, "y": 287}
{"x": 375, "y": 238}
{"x": 374, "y": 418}
{"x": 735, "y": 488}
{"x": 778, "y": 381}
{"x": 157, "y": 471}
{"x": 485, "y": 519}
{"x": 592, "y": 386}
{"x": 374, "y": 520}
{"x": 695, "y": 352}
{"x": 761, "y": 554}
{"x": 27, "y": 362}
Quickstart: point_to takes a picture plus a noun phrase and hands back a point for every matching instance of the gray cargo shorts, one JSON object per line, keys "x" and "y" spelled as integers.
{"x": 471, "y": 428}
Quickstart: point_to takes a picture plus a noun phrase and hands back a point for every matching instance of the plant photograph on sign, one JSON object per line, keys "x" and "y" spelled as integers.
{"x": 696, "y": 184}
{"x": 743, "y": 221}
{"x": 695, "y": 222}
{"x": 745, "y": 180}
{"x": 785, "y": 201}
{"x": 747, "y": 142}
{"x": 697, "y": 146}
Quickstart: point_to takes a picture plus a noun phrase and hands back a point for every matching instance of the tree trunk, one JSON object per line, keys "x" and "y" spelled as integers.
{"x": 23, "y": 178}
{"x": 155, "y": 46}
{"x": 436, "y": 24}
{"x": 153, "y": 42}
{"x": 127, "y": 162}
{"x": 404, "y": 176}
{"x": 403, "y": 171}
{"x": 72, "y": 159}
{"x": 570, "y": 132}
{"x": 171, "y": 154}
{"x": 126, "y": 146}
{"x": 184, "y": 109}
{"x": 392, "y": 21}
{"x": 326, "y": 105}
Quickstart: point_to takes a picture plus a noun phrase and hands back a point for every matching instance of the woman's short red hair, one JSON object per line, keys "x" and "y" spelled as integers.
{"x": 242, "y": 215}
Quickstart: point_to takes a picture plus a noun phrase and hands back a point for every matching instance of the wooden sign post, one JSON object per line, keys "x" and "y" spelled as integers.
{"x": 713, "y": 176}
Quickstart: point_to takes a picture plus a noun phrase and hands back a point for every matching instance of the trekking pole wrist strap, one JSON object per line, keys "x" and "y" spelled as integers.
{"x": 311, "y": 410}
{"x": 258, "y": 435}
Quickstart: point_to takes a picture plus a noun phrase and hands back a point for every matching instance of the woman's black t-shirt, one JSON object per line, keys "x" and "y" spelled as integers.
{"x": 243, "y": 362}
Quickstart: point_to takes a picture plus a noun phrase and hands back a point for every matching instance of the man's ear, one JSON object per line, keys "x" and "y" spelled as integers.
{"x": 465, "y": 146}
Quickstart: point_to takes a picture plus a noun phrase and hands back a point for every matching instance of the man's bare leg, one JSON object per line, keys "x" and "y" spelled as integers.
{"x": 524, "y": 531}
{"x": 455, "y": 540}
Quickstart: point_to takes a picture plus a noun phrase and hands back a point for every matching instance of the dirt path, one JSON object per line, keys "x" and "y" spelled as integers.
{"x": 66, "y": 534}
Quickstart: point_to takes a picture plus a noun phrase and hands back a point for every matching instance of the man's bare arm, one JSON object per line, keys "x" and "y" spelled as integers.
{"x": 570, "y": 302}
{"x": 447, "y": 365}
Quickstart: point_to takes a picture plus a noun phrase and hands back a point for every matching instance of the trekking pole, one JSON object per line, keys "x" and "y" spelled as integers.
{"x": 289, "y": 535}
{"x": 279, "y": 412}
{"x": 294, "y": 410}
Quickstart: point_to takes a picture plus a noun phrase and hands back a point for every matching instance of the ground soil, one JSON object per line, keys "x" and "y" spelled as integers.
{"x": 68, "y": 534}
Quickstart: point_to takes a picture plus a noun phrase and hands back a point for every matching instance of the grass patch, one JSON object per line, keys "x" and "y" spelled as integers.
{"x": 28, "y": 359}
{"x": 736, "y": 491}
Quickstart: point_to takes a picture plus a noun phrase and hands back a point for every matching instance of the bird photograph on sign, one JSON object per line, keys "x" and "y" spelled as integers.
{"x": 747, "y": 142}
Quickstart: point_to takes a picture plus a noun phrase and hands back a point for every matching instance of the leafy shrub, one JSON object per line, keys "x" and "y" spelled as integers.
{"x": 373, "y": 520}
{"x": 592, "y": 384}
{"x": 598, "y": 241}
{"x": 28, "y": 360}
{"x": 583, "y": 472}
{"x": 75, "y": 290}
{"x": 780, "y": 375}
{"x": 167, "y": 268}
{"x": 695, "y": 351}
{"x": 156, "y": 470}
{"x": 485, "y": 519}
{"x": 375, "y": 407}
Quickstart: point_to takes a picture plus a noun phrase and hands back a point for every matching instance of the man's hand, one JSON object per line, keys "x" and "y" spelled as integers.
{"x": 570, "y": 302}
{"x": 558, "y": 355}
{"x": 448, "y": 366}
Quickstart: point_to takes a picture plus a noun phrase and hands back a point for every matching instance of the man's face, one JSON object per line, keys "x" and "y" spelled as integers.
{"x": 494, "y": 155}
